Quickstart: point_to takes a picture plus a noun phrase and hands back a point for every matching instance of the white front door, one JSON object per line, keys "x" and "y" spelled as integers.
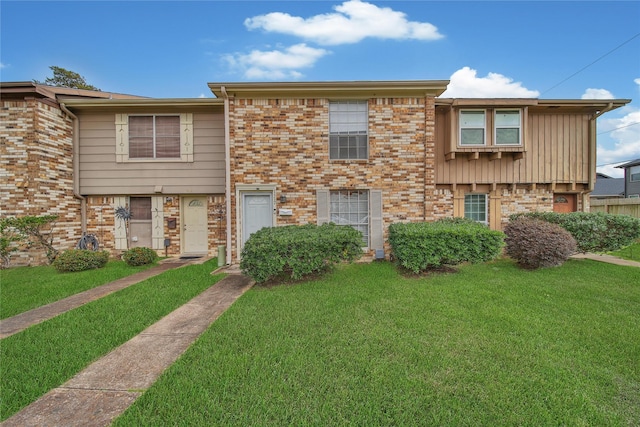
{"x": 194, "y": 225}
{"x": 257, "y": 212}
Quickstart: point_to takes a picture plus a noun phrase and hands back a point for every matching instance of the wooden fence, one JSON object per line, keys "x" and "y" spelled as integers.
{"x": 617, "y": 206}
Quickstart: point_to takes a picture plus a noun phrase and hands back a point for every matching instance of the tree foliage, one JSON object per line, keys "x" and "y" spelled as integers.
{"x": 66, "y": 78}
{"x": 34, "y": 230}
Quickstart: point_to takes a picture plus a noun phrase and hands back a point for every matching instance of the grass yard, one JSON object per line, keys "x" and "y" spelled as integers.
{"x": 631, "y": 252}
{"x": 490, "y": 345}
{"x": 46, "y": 355}
{"x": 25, "y": 288}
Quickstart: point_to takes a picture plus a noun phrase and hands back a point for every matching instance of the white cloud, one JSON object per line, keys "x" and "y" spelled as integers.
{"x": 637, "y": 81}
{"x": 2, "y": 65}
{"x": 625, "y": 134}
{"x": 465, "y": 83}
{"x": 276, "y": 64}
{"x": 352, "y": 22}
{"x": 592, "y": 93}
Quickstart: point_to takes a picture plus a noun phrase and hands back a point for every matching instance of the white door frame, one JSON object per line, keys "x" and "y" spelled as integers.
{"x": 183, "y": 208}
{"x": 242, "y": 189}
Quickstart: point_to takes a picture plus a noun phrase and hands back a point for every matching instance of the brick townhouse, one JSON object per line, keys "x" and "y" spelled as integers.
{"x": 202, "y": 174}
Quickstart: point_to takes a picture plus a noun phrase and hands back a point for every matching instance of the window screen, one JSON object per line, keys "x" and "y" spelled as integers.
{"x": 348, "y": 124}
{"x": 472, "y": 127}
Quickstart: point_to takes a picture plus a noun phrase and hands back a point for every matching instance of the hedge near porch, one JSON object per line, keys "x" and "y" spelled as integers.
{"x": 296, "y": 251}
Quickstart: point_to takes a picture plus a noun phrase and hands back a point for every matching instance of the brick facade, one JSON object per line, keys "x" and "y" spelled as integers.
{"x": 285, "y": 142}
{"x": 101, "y": 222}
{"x": 37, "y": 171}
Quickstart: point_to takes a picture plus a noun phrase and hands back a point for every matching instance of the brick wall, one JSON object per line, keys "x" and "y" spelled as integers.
{"x": 284, "y": 142}
{"x": 37, "y": 171}
{"x": 101, "y": 222}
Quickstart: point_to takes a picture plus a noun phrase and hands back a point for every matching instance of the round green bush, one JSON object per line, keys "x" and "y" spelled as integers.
{"x": 139, "y": 256}
{"x": 80, "y": 260}
{"x": 534, "y": 243}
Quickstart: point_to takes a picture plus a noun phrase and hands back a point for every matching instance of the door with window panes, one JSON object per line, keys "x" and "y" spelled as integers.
{"x": 141, "y": 233}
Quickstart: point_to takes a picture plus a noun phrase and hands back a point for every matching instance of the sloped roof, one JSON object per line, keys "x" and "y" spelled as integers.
{"x": 23, "y": 89}
{"x": 608, "y": 187}
{"x": 635, "y": 162}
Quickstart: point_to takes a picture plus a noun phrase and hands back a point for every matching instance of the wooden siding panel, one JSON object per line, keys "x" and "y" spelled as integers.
{"x": 101, "y": 175}
{"x": 557, "y": 150}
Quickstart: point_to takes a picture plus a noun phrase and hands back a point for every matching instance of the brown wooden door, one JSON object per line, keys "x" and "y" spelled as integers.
{"x": 564, "y": 203}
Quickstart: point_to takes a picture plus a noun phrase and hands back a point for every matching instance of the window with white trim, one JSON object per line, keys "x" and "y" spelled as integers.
{"x": 507, "y": 127}
{"x": 351, "y": 207}
{"x": 472, "y": 127}
{"x": 154, "y": 137}
{"x": 475, "y": 207}
{"x": 348, "y": 130}
{"x": 634, "y": 173}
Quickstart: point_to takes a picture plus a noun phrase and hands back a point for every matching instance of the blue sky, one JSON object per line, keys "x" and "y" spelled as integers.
{"x": 545, "y": 49}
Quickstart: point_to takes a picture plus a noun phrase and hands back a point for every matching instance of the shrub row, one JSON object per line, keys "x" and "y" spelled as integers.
{"x": 80, "y": 260}
{"x": 593, "y": 232}
{"x": 295, "y": 251}
{"x": 534, "y": 243}
{"x": 426, "y": 245}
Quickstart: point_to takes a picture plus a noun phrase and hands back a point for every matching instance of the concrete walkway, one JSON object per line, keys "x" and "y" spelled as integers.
{"x": 106, "y": 388}
{"x": 19, "y": 322}
{"x": 608, "y": 259}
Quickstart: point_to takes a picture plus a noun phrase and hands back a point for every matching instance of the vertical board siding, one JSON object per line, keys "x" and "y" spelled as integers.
{"x": 556, "y": 151}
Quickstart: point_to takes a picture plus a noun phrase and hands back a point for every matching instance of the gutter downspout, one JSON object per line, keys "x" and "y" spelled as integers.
{"x": 227, "y": 171}
{"x": 75, "y": 138}
{"x": 593, "y": 145}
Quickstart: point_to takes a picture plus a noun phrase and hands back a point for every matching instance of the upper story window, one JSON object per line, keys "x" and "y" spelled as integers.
{"x": 154, "y": 137}
{"x": 507, "y": 127}
{"x": 348, "y": 125}
{"x": 490, "y": 127}
{"x": 472, "y": 127}
{"x": 634, "y": 173}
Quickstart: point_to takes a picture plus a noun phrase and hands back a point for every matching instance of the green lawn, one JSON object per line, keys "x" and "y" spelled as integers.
{"x": 631, "y": 252}
{"x": 24, "y": 288}
{"x": 490, "y": 345}
{"x": 46, "y": 355}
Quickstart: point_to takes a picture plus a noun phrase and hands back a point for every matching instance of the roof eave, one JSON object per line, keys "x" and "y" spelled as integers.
{"x": 331, "y": 89}
{"x": 77, "y": 103}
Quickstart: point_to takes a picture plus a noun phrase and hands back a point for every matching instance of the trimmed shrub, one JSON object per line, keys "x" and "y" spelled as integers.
{"x": 295, "y": 251}
{"x": 534, "y": 243}
{"x": 420, "y": 246}
{"x": 139, "y": 256}
{"x": 80, "y": 260}
{"x": 593, "y": 232}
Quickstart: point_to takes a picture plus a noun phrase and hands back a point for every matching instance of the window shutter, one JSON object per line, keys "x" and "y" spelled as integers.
{"x": 120, "y": 231}
{"x": 376, "y": 225}
{"x": 322, "y": 207}
{"x": 157, "y": 222}
{"x": 122, "y": 138}
{"x": 186, "y": 137}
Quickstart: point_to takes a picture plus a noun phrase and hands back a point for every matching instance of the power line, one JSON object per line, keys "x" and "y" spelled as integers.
{"x": 621, "y": 127}
{"x": 589, "y": 65}
{"x": 615, "y": 163}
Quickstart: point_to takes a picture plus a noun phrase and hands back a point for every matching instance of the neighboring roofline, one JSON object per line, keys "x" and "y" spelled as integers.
{"x": 53, "y": 92}
{"x": 592, "y": 105}
{"x": 635, "y": 162}
{"x": 77, "y": 103}
{"x": 331, "y": 89}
